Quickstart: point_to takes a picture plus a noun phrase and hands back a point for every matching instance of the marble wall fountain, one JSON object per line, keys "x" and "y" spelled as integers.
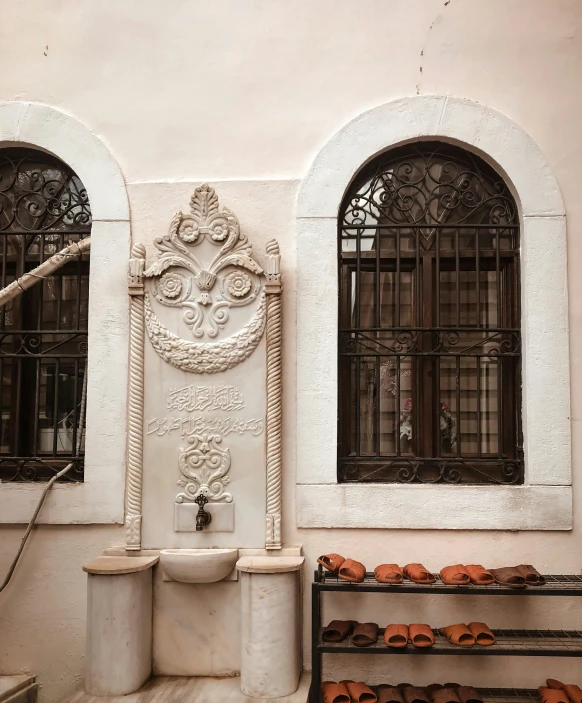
{"x": 203, "y": 586}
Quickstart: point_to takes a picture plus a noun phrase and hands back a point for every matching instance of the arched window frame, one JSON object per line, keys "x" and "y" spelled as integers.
{"x": 45, "y": 209}
{"x": 544, "y": 502}
{"x": 100, "y": 498}
{"x": 429, "y": 383}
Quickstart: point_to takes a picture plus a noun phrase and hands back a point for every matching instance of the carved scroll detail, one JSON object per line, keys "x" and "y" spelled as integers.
{"x": 274, "y": 397}
{"x": 204, "y": 466}
{"x": 205, "y": 357}
{"x": 133, "y": 491}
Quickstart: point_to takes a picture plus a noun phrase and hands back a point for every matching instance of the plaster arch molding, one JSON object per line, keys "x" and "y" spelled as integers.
{"x": 100, "y": 498}
{"x": 544, "y": 502}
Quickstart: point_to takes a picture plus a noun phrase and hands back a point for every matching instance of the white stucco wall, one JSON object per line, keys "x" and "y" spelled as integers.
{"x": 244, "y": 93}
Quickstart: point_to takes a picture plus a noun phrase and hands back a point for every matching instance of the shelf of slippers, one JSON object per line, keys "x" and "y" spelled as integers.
{"x": 501, "y": 695}
{"x": 556, "y": 643}
{"x": 542, "y": 643}
{"x": 556, "y": 585}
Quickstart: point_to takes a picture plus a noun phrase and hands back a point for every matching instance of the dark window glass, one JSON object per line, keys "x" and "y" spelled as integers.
{"x": 429, "y": 338}
{"x": 43, "y": 331}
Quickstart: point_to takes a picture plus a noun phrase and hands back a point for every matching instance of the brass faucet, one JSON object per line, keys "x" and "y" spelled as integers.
{"x": 203, "y": 518}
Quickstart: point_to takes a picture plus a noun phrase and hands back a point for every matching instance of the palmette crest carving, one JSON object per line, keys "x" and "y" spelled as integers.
{"x": 205, "y": 286}
{"x": 204, "y": 465}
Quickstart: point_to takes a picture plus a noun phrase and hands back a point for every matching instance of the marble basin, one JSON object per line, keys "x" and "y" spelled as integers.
{"x": 198, "y": 565}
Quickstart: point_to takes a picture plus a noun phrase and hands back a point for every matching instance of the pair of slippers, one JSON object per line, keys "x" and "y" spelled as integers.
{"x": 363, "y": 634}
{"x": 393, "y": 574}
{"x": 346, "y": 569}
{"x": 348, "y": 692}
{"x": 557, "y": 692}
{"x": 397, "y": 636}
{"x": 518, "y": 576}
{"x": 460, "y": 575}
{"x": 468, "y": 635}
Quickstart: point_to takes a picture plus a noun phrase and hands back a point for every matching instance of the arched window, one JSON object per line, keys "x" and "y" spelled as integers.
{"x": 43, "y": 331}
{"x": 429, "y": 316}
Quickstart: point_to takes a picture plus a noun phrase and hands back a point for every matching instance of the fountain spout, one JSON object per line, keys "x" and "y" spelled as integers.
{"x": 202, "y": 518}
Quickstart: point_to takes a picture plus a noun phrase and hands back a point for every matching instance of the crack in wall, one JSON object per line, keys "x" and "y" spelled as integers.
{"x": 424, "y": 45}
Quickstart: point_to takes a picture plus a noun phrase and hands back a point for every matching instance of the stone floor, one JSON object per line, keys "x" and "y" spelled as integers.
{"x": 176, "y": 689}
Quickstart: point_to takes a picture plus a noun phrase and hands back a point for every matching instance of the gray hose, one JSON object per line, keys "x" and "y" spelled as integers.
{"x": 31, "y": 524}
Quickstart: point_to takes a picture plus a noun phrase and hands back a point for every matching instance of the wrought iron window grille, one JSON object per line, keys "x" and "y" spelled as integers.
{"x": 429, "y": 335}
{"x": 43, "y": 332}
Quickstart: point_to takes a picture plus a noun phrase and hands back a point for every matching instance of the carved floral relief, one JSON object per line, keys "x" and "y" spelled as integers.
{"x": 204, "y": 466}
{"x": 205, "y": 287}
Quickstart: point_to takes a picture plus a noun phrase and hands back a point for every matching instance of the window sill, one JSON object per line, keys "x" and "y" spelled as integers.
{"x": 431, "y": 507}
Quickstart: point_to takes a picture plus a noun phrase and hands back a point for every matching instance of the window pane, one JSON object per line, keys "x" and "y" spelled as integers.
{"x": 458, "y": 303}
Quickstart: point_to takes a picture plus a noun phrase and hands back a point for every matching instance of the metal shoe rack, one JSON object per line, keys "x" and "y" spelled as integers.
{"x": 534, "y": 643}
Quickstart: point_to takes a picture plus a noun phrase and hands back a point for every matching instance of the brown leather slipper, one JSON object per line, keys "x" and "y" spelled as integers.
{"x": 479, "y": 576}
{"x": 433, "y": 687}
{"x": 482, "y": 634}
{"x": 532, "y": 576}
{"x": 509, "y": 577}
{"x": 421, "y": 635}
{"x": 455, "y": 575}
{"x": 352, "y": 570}
{"x": 552, "y": 695}
{"x": 335, "y": 692}
{"x": 388, "y": 573}
{"x": 389, "y": 694}
{"x": 467, "y": 694}
{"x": 413, "y": 694}
{"x": 365, "y": 634}
{"x": 360, "y": 692}
{"x": 331, "y": 562}
{"x": 459, "y": 635}
{"x": 445, "y": 695}
{"x": 396, "y": 636}
{"x": 418, "y": 574}
{"x": 573, "y": 692}
{"x": 337, "y": 630}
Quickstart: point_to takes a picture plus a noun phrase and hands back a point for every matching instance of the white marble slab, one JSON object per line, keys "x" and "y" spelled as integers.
{"x": 169, "y": 689}
{"x": 9, "y": 685}
{"x": 196, "y": 628}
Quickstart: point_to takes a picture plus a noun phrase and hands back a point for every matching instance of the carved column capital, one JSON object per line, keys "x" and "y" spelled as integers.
{"x": 273, "y": 268}
{"x": 136, "y": 269}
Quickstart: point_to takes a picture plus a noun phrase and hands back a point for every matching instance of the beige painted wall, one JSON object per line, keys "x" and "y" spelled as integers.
{"x": 244, "y": 93}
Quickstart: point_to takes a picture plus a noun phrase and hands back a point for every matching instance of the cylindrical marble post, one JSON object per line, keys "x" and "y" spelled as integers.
{"x": 270, "y": 625}
{"x": 119, "y": 624}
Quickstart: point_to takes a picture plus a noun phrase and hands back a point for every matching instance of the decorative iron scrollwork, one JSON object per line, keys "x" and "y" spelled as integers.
{"x": 426, "y": 190}
{"x": 40, "y": 194}
{"x": 433, "y": 471}
{"x": 485, "y": 343}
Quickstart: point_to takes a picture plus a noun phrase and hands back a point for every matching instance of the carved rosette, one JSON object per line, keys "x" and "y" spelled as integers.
{"x": 204, "y": 466}
{"x": 206, "y": 288}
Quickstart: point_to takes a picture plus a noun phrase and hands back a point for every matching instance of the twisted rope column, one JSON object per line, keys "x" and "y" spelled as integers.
{"x": 273, "y": 289}
{"x": 133, "y": 488}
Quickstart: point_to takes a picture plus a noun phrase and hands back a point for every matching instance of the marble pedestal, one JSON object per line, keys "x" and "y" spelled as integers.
{"x": 119, "y": 624}
{"x": 270, "y": 626}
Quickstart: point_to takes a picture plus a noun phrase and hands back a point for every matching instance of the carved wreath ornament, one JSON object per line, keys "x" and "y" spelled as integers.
{"x": 205, "y": 284}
